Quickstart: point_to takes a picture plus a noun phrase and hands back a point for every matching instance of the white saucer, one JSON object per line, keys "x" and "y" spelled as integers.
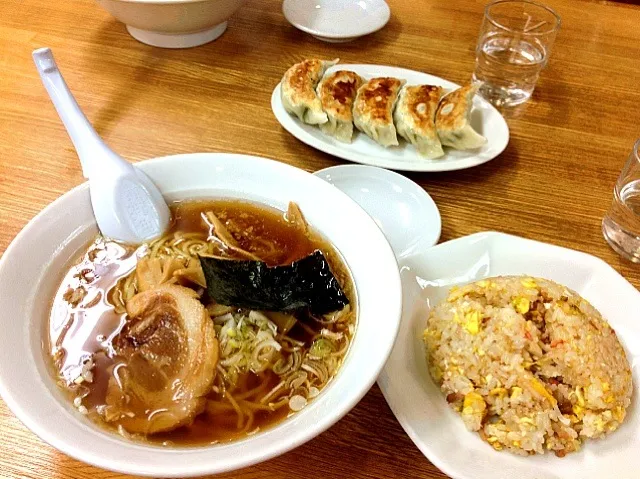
{"x": 403, "y": 210}
{"x": 337, "y": 21}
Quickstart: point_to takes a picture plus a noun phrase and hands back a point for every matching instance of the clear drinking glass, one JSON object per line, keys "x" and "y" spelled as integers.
{"x": 513, "y": 48}
{"x": 621, "y": 225}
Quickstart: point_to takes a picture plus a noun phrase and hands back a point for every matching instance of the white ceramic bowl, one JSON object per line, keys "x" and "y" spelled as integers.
{"x": 31, "y": 269}
{"x": 173, "y": 23}
{"x": 337, "y": 21}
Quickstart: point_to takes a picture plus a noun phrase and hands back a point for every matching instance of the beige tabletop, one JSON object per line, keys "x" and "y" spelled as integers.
{"x": 553, "y": 183}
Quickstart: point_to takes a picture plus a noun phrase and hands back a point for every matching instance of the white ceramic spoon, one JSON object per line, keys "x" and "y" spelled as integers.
{"x": 127, "y": 205}
{"x": 403, "y": 210}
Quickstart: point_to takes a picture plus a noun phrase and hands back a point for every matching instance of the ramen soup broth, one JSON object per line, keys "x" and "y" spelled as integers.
{"x": 252, "y": 389}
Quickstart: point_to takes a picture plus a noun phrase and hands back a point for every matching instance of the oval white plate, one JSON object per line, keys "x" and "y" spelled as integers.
{"x": 402, "y": 209}
{"x": 337, "y": 21}
{"x": 421, "y": 408}
{"x": 484, "y": 118}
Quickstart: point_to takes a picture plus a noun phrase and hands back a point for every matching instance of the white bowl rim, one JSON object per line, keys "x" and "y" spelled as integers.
{"x": 250, "y": 456}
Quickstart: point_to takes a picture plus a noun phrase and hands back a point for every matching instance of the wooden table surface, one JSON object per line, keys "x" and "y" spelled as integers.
{"x": 553, "y": 183}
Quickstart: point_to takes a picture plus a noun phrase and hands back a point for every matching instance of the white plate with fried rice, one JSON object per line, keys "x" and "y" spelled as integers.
{"x": 438, "y": 430}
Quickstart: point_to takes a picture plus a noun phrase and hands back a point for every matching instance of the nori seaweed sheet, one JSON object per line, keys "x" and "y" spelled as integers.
{"x": 304, "y": 284}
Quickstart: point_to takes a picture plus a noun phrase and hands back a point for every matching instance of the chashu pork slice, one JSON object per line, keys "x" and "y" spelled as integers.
{"x": 166, "y": 361}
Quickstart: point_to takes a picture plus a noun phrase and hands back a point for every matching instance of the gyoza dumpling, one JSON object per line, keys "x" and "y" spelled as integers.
{"x": 298, "y": 90}
{"x": 452, "y": 120}
{"x": 415, "y": 116}
{"x": 373, "y": 109}
{"x": 337, "y": 92}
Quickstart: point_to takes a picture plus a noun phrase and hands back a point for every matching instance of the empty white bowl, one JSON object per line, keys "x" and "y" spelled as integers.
{"x": 337, "y": 21}
{"x": 32, "y": 266}
{"x": 173, "y": 23}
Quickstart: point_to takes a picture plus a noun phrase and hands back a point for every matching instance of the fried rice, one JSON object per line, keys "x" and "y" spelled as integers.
{"x": 529, "y": 364}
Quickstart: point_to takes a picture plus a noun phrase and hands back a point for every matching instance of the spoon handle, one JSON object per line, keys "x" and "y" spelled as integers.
{"x": 127, "y": 205}
{"x": 89, "y": 146}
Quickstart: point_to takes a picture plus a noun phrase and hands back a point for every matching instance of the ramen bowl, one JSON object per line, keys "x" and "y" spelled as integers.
{"x": 173, "y": 23}
{"x": 32, "y": 267}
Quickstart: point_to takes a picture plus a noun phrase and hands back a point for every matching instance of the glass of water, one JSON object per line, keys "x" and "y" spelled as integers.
{"x": 621, "y": 225}
{"x": 513, "y": 48}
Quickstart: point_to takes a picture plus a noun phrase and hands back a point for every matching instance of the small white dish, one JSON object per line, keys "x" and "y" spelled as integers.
{"x": 484, "y": 118}
{"x": 423, "y": 411}
{"x": 30, "y": 272}
{"x": 337, "y": 21}
{"x": 402, "y": 209}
